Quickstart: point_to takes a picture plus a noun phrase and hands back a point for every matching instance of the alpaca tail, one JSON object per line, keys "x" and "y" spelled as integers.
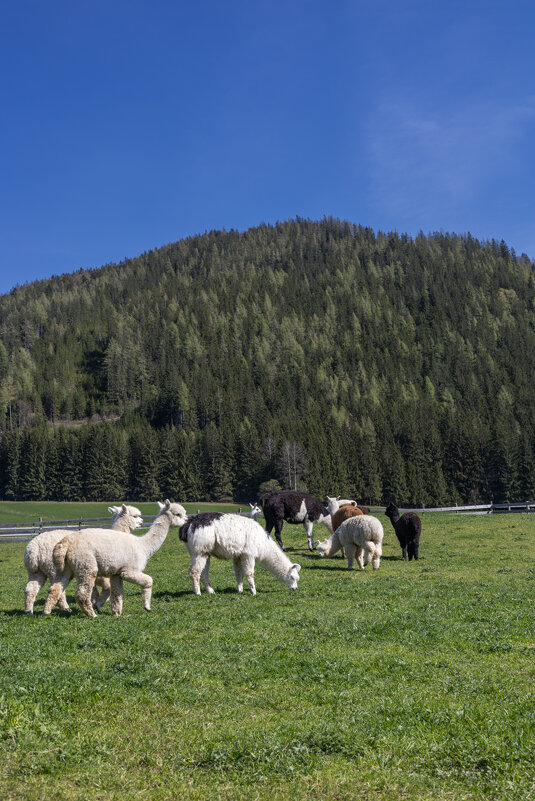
{"x": 59, "y": 554}
{"x": 31, "y": 557}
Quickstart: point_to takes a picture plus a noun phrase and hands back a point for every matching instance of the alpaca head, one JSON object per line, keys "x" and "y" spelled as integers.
{"x": 292, "y": 576}
{"x": 255, "y": 510}
{"x": 177, "y": 512}
{"x": 391, "y": 509}
{"x": 124, "y": 511}
{"x": 324, "y": 547}
{"x": 332, "y": 504}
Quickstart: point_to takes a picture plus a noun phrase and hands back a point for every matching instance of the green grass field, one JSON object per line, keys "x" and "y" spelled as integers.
{"x": 413, "y": 682}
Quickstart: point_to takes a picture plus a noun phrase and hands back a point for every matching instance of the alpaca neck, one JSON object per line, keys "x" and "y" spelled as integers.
{"x": 327, "y": 521}
{"x": 394, "y": 517}
{"x": 274, "y": 559}
{"x": 334, "y": 544}
{"x": 121, "y": 523}
{"x": 155, "y": 536}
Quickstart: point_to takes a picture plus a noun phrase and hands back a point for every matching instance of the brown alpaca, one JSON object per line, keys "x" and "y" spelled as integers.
{"x": 343, "y": 513}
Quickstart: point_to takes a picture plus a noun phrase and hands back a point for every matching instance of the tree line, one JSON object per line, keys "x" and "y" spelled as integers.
{"x": 319, "y": 355}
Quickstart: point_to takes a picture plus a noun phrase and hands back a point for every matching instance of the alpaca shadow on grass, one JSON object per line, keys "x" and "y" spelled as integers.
{"x": 13, "y": 613}
{"x": 36, "y": 614}
{"x": 171, "y": 596}
{"x": 164, "y": 595}
{"x": 341, "y": 567}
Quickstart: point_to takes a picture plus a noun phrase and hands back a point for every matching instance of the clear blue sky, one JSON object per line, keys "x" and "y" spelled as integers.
{"x": 128, "y": 124}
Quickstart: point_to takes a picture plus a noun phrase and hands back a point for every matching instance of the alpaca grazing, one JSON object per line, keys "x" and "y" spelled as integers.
{"x": 293, "y": 507}
{"x": 340, "y": 509}
{"x": 228, "y": 536}
{"x": 40, "y": 566}
{"x": 408, "y": 528}
{"x": 361, "y": 536}
{"x": 119, "y": 556}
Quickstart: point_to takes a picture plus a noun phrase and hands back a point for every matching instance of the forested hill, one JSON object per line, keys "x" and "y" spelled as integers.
{"x": 320, "y": 354}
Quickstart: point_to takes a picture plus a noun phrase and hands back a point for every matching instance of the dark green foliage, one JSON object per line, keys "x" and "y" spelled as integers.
{"x": 390, "y": 367}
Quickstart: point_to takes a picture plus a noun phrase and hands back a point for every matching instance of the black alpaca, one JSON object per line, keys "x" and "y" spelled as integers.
{"x": 408, "y": 528}
{"x": 294, "y": 507}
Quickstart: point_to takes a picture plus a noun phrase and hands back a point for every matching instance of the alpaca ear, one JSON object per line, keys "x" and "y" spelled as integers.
{"x": 124, "y": 508}
{"x": 251, "y": 505}
{"x": 111, "y": 510}
{"x": 296, "y": 567}
{"x": 167, "y": 503}
{"x": 160, "y": 505}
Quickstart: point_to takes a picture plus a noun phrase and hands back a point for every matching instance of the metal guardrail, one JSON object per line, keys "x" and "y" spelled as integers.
{"x": 482, "y": 509}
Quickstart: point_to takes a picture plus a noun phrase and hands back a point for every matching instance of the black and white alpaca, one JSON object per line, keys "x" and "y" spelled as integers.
{"x": 408, "y": 528}
{"x": 228, "y": 536}
{"x": 294, "y": 507}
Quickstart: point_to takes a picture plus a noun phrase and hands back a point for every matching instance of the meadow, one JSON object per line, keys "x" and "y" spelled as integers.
{"x": 412, "y": 682}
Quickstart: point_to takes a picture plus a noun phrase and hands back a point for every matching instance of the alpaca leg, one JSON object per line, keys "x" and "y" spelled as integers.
{"x": 376, "y": 558}
{"x": 57, "y": 589}
{"x": 144, "y": 581}
{"x": 62, "y": 603}
{"x": 369, "y": 551}
{"x": 310, "y": 535}
{"x": 360, "y": 555}
{"x": 238, "y": 572}
{"x": 35, "y": 582}
{"x": 117, "y": 594}
{"x": 105, "y": 583}
{"x": 198, "y": 565}
{"x": 86, "y": 582}
{"x": 204, "y": 577}
{"x": 248, "y": 569}
{"x": 278, "y": 530}
{"x": 350, "y": 553}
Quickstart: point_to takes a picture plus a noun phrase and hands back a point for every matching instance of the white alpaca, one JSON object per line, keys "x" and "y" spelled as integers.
{"x": 255, "y": 511}
{"x": 362, "y": 535}
{"x": 40, "y": 566}
{"x": 120, "y": 556}
{"x": 228, "y": 536}
{"x": 333, "y": 504}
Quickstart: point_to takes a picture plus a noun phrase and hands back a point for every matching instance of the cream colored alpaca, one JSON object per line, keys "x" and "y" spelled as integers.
{"x": 362, "y": 535}
{"x": 40, "y": 566}
{"x": 119, "y": 556}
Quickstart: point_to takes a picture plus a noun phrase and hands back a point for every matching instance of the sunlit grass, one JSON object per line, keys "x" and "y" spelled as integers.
{"x": 415, "y": 681}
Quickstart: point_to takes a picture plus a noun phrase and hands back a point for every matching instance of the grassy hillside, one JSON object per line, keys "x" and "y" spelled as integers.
{"x": 413, "y": 682}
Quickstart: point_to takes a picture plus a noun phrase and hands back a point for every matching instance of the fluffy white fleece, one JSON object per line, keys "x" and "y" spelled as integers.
{"x": 245, "y": 542}
{"x": 40, "y": 566}
{"x": 120, "y": 556}
{"x": 361, "y": 536}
